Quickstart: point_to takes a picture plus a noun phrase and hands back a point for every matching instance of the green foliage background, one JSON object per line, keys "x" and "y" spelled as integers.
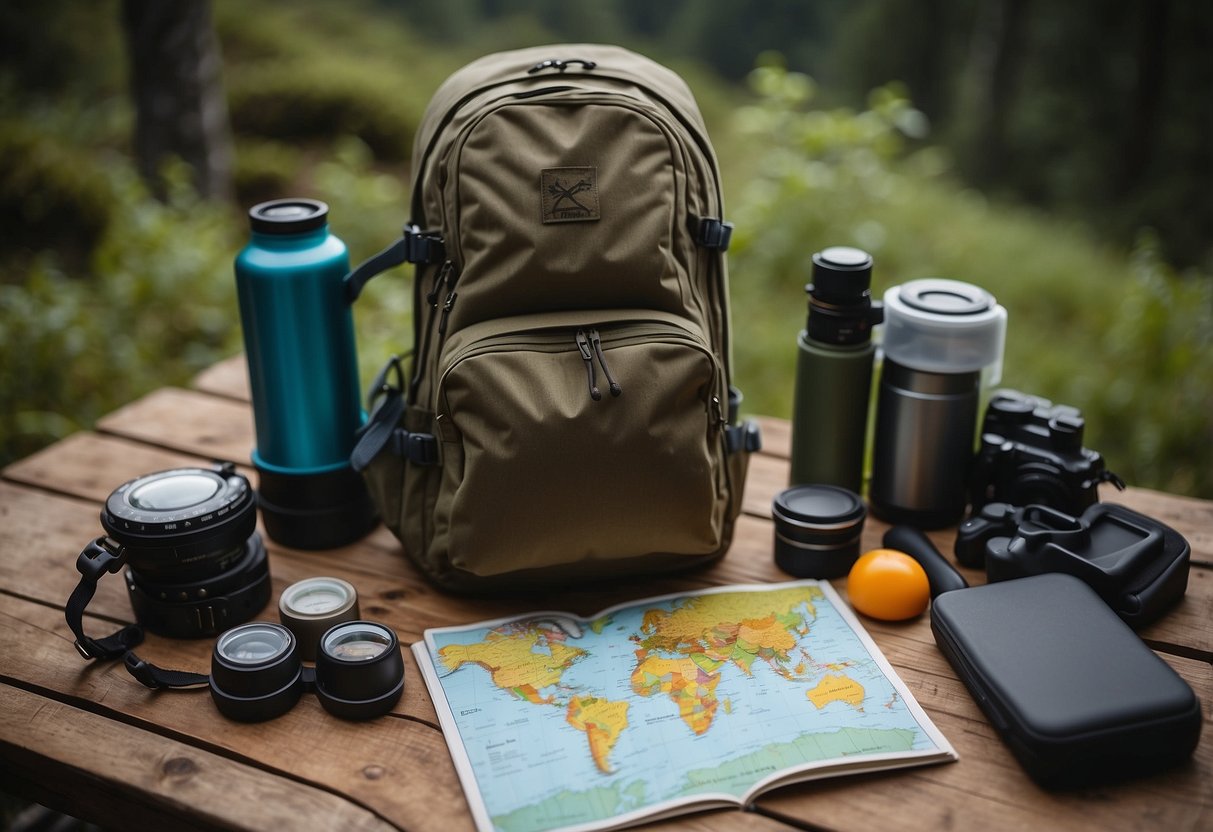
{"x": 106, "y": 293}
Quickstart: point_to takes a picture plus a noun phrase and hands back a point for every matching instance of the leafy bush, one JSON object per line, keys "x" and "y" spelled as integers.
{"x": 155, "y": 307}
{"x": 1127, "y": 342}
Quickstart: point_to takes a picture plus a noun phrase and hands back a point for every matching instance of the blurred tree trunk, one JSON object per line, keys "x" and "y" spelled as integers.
{"x": 1151, "y": 62}
{"x": 180, "y": 109}
{"x": 993, "y": 70}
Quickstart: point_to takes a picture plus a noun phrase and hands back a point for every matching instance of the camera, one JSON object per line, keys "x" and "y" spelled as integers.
{"x": 195, "y": 565}
{"x": 1031, "y": 453}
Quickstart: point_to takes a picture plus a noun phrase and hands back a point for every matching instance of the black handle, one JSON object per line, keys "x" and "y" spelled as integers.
{"x": 941, "y": 575}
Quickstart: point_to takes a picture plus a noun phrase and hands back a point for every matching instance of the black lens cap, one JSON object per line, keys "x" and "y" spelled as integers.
{"x": 288, "y": 216}
{"x": 817, "y": 529}
{"x": 841, "y": 274}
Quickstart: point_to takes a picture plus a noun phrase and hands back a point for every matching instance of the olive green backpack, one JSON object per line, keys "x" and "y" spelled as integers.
{"x": 566, "y": 413}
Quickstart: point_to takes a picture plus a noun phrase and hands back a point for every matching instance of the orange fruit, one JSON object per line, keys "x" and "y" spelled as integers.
{"x": 889, "y": 585}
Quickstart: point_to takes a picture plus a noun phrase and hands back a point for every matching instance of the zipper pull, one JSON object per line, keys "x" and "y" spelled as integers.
{"x": 443, "y": 273}
{"x": 446, "y": 311}
{"x": 597, "y": 342}
{"x": 583, "y": 345}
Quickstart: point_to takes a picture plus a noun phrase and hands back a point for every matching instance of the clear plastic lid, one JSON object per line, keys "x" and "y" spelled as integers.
{"x": 944, "y": 326}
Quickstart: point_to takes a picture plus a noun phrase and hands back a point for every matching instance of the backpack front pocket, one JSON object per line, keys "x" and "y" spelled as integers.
{"x": 578, "y": 436}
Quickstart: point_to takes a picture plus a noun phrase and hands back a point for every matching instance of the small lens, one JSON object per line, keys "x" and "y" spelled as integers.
{"x": 359, "y": 671}
{"x": 175, "y": 492}
{"x": 254, "y": 643}
{"x": 357, "y": 642}
{"x": 317, "y": 596}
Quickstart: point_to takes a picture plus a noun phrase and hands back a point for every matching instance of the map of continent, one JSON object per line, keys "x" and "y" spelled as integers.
{"x": 566, "y": 721}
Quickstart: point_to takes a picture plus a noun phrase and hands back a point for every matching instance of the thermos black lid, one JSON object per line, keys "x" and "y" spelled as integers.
{"x": 288, "y": 216}
{"x": 841, "y": 273}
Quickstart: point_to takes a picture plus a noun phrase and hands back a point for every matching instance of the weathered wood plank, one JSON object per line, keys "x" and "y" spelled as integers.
{"x": 988, "y": 790}
{"x": 98, "y": 769}
{"x": 186, "y": 421}
{"x": 228, "y": 377}
{"x": 373, "y": 763}
{"x": 378, "y": 567}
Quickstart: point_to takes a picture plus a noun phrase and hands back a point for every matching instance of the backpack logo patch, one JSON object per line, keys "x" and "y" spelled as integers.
{"x": 569, "y": 194}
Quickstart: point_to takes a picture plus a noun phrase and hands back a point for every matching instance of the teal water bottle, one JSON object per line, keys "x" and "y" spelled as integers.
{"x": 303, "y": 376}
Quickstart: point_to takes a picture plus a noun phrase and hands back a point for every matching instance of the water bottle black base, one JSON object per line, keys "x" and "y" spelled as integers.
{"x": 315, "y": 511}
{"x": 918, "y": 518}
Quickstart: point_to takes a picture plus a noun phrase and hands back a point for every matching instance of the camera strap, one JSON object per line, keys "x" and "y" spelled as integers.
{"x": 157, "y": 678}
{"x": 98, "y": 557}
{"x": 101, "y": 556}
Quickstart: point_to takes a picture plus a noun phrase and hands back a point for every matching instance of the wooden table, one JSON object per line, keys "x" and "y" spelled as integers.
{"x": 86, "y": 738}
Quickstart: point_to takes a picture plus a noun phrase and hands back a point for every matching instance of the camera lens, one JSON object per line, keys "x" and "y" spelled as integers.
{"x": 817, "y": 530}
{"x": 182, "y": 524}
{"x": 256, "y": 672}
{"x": 359, "y": 670}
{"x": 195, "y": 565}
{"x": 252, "y": 644}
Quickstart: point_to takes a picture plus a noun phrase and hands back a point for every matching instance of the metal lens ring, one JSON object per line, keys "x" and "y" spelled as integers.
{"x": 256, "y": 672}
{"x": 359, "y": 670}
{"x": 311, "y": 607}
{"x": 183, "y": 524}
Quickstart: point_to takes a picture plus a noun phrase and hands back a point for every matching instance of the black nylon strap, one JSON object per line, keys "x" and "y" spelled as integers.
{"x": 378, "y": 430}
{"x": 101, "y": 556}
{"x": 382, "y": 428}
{"x": 414, "y": 246}
{"x": 157, "y": 678}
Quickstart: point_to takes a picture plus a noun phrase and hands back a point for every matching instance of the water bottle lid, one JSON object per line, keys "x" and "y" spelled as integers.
{"x": 944, "y": 326}
{"x": 288, "y": 216}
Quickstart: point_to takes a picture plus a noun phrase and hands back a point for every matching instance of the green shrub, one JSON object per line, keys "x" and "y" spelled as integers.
{"x": 155, "y": 306}
{"x": 47, "y": 198}
{"x": 1127, "y": 342}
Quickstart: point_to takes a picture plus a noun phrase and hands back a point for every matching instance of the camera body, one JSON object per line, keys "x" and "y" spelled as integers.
{"x": 1032, "y": 453}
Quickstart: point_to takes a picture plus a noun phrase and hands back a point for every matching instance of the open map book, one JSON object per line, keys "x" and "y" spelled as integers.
{"x": 666, "y": 705}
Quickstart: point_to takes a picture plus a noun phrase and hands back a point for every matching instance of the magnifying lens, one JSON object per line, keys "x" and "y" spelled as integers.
{"x": 359, "y": 670}
{"x": 257, "y": 671}
{"x": 310, "y": 607}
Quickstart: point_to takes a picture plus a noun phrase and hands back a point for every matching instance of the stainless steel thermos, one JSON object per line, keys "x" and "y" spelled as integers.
{"x": 303, "y": 376}
{"x": 940, "y": 337}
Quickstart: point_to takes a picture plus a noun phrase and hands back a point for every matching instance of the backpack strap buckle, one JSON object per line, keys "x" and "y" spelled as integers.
{"x": 711, "y": 232}
{"x": 422, "y": 246}
{"x": 417, "y": 448}
{"x": 744, "y": 437}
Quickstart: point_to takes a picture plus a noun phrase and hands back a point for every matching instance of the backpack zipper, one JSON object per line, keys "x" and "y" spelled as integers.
{"x": 583, "y": 345}
{"x": 606, "y": 371}
{"x": 444, "y": 274}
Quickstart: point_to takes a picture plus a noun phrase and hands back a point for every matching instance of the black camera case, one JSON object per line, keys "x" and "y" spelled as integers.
{"x": 1076, "y": 695}
{"x": 1032, "y": 453}
{"x": 1136, "y": 564}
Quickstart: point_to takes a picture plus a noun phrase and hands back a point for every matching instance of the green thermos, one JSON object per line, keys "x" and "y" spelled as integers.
{"x": 303, "y": 376}
{"x": 834, "y": 371}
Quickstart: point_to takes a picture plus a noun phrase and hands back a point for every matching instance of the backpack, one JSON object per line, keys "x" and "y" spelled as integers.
{"x": 566, "y": 414}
